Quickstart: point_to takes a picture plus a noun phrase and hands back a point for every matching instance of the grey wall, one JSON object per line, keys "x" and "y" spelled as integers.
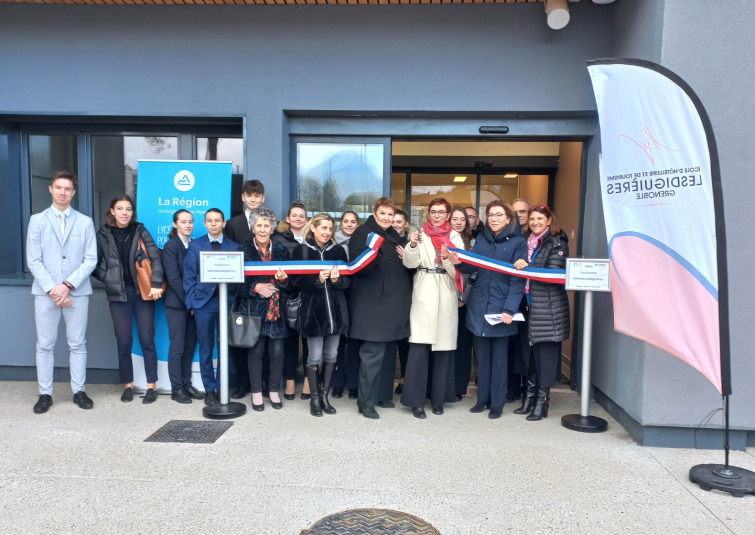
{"x": 638, "y": 29}
{"x": 10, "y": 211}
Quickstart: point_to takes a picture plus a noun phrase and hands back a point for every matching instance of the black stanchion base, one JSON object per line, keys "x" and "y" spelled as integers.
{"x": 584, "y": 424}
{"x": 224, "y": 412}
{"x": 737, "y": 481}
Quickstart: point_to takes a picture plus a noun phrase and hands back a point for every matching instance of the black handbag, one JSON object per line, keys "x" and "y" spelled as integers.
{"x": 291, "y": 311}
{"x": 243, "y": 329}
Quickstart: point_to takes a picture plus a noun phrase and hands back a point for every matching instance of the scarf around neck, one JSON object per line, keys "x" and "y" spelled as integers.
{"x": 440, "y": 236}
{"x": 533, "y": 242}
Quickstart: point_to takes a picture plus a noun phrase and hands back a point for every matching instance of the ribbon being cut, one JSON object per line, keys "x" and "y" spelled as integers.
{"x": 556, "y": 276}
{"x": 292, "y": 267}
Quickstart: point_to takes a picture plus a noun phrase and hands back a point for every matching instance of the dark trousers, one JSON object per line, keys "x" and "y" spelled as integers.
{"x": 353, "y": 363}
{"x": 492, "y": 370}
{"x": 275, "y": 350}
{"x": 546, "y": 356}
{"x": 417, "y": 371}
{"x": 387, "y": 373}
{"x": 372, "y": 355}
{"x": 403, "y": 354}
{"x": 463, "y": 354}
{"x": 338, "y": 380}
{"x": 182, "y": 330}
{"x": 240, "y": 358}
{"x": 207, "y": 318}
{"x": 290, "y": 357}
{"x": 144, "y": 313}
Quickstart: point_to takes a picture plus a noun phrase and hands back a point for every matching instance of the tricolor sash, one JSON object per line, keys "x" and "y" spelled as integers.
{"x": 556, "y": 276}
{"x": 313, "y": 267}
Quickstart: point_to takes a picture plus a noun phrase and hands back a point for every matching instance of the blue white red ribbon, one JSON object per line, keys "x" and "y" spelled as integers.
{"x": 556, "y": 276}
{"x": 313, "y": 267}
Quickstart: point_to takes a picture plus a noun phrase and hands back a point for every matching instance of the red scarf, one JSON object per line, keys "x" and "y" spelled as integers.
{"x": 439, "y": 236}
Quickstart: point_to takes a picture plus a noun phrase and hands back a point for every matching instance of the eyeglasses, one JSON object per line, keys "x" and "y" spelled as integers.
{"x": 541, "y": 207}
{"x": 497, "y": 215}
{"x": 438, "y": 212}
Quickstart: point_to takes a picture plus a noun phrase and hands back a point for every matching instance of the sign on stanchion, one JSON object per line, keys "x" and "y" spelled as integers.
{"x": 222, "y": 268}
{"x": 586, "y": 275}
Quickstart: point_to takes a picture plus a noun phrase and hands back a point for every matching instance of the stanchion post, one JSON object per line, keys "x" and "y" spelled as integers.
{"x": 583, "y": 422}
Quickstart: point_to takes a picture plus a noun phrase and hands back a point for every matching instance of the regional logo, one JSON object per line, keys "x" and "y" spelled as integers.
{"x": 183, "y": 181}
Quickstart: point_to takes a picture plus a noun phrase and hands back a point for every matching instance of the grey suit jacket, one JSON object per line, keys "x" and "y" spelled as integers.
{"x": 54, "y": 259}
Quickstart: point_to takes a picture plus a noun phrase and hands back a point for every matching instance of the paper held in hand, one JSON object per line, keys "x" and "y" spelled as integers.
{"x": 495, "y": 319}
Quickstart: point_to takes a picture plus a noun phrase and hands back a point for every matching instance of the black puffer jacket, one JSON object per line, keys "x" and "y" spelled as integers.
{"x": 549, "y": 305}
{"x": 380, "y": 296}
{"x": 111, "y": 275}
{"x": 323, "y": 309}
{"x": 285, "y": 237}
{"x": 254, "y": 302}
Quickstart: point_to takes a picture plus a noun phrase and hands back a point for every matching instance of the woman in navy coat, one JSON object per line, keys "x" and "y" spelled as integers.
{"x": 182, "y": 329}
{"x": 494, "y": 293}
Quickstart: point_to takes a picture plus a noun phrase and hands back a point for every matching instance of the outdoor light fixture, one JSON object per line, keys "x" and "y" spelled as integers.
{"x": 603, "y": 1}
{"x": 557, "y": 13}
{"x": 510, "y": 175}
{"x": 459, "y": 178}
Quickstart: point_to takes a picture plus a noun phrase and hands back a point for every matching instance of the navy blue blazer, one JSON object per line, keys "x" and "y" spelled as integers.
{"x": 174, "y": 254}
{"x": 197, "y": 294}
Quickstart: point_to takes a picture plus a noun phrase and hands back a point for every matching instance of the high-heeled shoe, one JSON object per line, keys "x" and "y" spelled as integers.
{"x": 528, "y": 402}
{"x": 289, "y": 397}
{"x": 399, "y": 389}
{"x": 480, "y": 406}
{"x": 495, "y": 413}
{"x": 541, "y": 405}
{"x": 258, "y": 408}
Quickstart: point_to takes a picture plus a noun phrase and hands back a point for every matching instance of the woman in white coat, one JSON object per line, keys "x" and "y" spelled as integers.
{"x": 434, "y": 314}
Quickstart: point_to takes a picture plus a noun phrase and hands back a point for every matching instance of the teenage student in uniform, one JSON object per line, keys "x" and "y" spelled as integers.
{"x": 203, "y": 298}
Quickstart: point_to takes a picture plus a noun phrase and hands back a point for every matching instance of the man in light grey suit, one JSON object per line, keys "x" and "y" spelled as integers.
{"x": 61, "y": 252}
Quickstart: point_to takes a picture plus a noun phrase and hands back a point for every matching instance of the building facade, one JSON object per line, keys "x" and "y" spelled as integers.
{"x": 94, "y": 88}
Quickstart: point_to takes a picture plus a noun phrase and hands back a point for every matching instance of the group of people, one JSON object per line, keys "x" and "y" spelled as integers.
{"x": 416, "y": 297}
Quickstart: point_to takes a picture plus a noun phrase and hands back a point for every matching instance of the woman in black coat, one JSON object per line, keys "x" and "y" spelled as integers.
{"x": 118, "y": 248}
{"x": 182, "y": 328}
{"x": 323, "y": 315}
{"x": 265, "y": 296}
{"x": 494, "y": 293}
{"x": 547, "y": 247}
{"x": 379, "y": 302}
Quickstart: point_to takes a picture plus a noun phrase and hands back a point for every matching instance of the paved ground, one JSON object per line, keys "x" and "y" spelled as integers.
{"x": 277, "y": 472}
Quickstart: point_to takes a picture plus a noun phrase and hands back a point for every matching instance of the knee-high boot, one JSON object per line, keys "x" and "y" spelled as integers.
{"x": 528, "y": 403}
{"x": 314, "y": 401}
{"x": 541, "y": 405}
{"x": 327, "y": 374}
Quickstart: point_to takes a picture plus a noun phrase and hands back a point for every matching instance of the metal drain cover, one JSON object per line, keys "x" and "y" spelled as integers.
{"x": 371, "y": 522}
{"x": 189, "y": 432}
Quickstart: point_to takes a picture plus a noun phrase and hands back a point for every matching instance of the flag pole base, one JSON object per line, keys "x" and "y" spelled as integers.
{"x": 584, "y": 424}
{"x": 224, "y": 412}
{"x": 736, "y": 481}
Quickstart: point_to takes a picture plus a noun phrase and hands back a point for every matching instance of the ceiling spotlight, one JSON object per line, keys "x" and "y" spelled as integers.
{"x": 557, "y": 13}
{"x": 510, "y": 175}
{"x": 459, "y": 178}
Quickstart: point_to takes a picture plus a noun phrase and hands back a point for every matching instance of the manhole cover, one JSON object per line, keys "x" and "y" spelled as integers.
{"x": 189, "y": 432}
{"x": 371, "y": 522}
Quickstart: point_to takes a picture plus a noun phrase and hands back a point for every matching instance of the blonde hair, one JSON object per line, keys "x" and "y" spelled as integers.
{"x": 315, "y": 222}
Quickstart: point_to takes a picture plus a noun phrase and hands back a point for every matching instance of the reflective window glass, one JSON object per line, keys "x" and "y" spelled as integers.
{"x": 226, "y": 149}
{"x": 334, "y": 177}
{"x": 426, "y": 187}
{"x": 48, "y": 154}
{"x": 115, "y": 161}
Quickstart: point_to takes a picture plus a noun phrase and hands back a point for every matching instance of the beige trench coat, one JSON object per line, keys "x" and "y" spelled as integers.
{"x": 434, "y": 316}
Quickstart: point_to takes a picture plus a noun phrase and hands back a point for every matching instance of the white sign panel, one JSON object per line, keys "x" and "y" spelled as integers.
{"x": 218, "y": 267}
{"x": 584, "y": 274}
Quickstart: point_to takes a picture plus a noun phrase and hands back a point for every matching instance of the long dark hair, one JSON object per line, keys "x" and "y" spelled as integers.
{"x": 110, "y": 218}
{"x": 555, "y": 230}
{"x": 466, "y": 234}
{"x": 174, "y": 230}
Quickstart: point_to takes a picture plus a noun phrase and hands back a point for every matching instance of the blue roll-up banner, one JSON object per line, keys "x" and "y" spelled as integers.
{"x": 163, "y": 187}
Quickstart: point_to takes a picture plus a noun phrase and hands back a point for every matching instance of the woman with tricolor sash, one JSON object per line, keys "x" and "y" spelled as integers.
{"x": 549, "y": 323}
{"x": 434, "y": 313}
{"x": 494, "y": 293}
{"x": 323, "y": 314}
{"x": 265, "y": 296}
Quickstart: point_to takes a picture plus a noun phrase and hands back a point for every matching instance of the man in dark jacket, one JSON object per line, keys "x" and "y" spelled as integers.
{"x": 239, "y": 229}
{"x": 475, "y": 224}
{"x": 379, "y": 301}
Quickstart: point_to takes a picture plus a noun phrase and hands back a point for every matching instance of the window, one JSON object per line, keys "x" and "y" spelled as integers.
{"x": 226, "y": 149}
{"x": 339, "y": 176}
{"x": 115, "y": 162}
{"x": 48, "y": 154}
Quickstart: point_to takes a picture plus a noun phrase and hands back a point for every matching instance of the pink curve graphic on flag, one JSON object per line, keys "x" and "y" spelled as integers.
{"x": 660, "y": 302}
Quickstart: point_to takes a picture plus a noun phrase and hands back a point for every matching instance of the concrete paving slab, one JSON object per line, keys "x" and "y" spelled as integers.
{"x": 278, "y": 472}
